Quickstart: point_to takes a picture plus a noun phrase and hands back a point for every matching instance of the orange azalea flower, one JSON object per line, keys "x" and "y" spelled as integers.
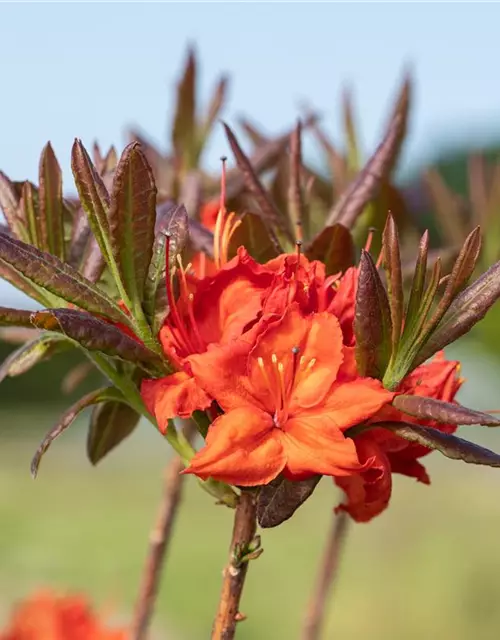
{"x": 46, "y": 616}
{"x": 219, "y": 310}
{"x": 285, "y": 402}
{"x": 368, "y": 492}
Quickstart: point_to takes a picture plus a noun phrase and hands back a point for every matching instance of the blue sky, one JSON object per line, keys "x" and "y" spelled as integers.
{"x": 87, "y": 70}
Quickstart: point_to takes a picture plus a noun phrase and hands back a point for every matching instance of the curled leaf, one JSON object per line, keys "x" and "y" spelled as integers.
{"x": 279, "y": 499}
{"x": 67, "y": 419}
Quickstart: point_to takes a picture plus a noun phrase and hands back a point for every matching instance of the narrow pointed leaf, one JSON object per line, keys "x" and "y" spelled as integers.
{"x": 201, "y": 238}
{"x": 93, "y": 334}
{"x": 56, "y": 277}
{"x": 418, "y": 282}
{"x": 267, "y": 207}
{"x": 93, "y": 263}
{"x": 93, "y": 195}
{"x": 51, "y": 203}
{"x": 67, "y": 419}
{"x": 392, "y": 265}
{"x": 184, "y": 126}
{"x": 111, "y": 422}
{"x": 18, "y": 335}
{"x": 174, "y": 225}
{"x": 279, "y": 499}
{"x": 365, "y": 187}
{"x": 31, "y": 353}
{"x": 353, "y": 155}
{"x": 80, "y": 234}
{"x": 9, "y": 203}
{"x": 447, "y": 207}
{"x": 132, "y": 220}
{"x": 29, "y": 205}
{"x": 335, "y": 247}
{"x": 216, "y": 104}
{"x": 449, "y": 445}
{"x": 445, "y": 412}
{"x": 16, "y": 279}
{"x": 372, "y": 321}
{"x": 468, "y": 308}
{"x": 74, "y": 378}
{"x": 14, "y": 317}
{"x": 462, "y": 270}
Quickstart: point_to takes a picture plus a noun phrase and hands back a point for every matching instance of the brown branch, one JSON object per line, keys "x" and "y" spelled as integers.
{"x": 158, "y": 543}
{"x": 243, "y": 548}
{"x": 325, "y": 579}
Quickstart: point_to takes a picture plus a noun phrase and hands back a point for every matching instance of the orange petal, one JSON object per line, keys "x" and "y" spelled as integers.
{"x": 177, "y": 395}
{"x": 354, "y": 402}
{"x": 313, "y": 444}
{"x": 242, "y": 448}
{"x": 367, "y": 493}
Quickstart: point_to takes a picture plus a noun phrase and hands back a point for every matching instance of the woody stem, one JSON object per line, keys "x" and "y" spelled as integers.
{"x": 244, "y": 528}
{"x": 325, "y": 579}
{"x": 158, "y": 545}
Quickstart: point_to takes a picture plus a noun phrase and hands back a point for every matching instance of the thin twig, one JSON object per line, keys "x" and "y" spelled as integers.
{"x": 243, "y": 548}
{"x": 158, "y": 544}
{"x": 327, "y": 573}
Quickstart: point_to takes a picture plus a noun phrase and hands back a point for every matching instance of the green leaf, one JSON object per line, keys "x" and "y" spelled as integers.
{"x": 174, "y": 226}
{"x": 392, "y": 266}
{"x": 449, "y": 445}
{"x": 271, "y": 216}
{"x": 335, "y": 247}
{"x": 110, "y": 424}
{"x": 279, "y": 499}
{"x": 14, "y": 317}
{"x": 51, "y": 203}
{"x": 93, "y": 334}
{"x": 378, "y": 168}
{"x": 417, "y": 285}
{"x": 56, "y": 277}
{"x": 93, "y": 196}
{"x": 372, "y": 321}
{"x": 9, "y": 203}
{"x": 468, "y": 308}
{"x": 31, "y": 353}
{"x": 132, "y": 220}
{"x": 101, "y": 395}
{"x": 445, "y": 412}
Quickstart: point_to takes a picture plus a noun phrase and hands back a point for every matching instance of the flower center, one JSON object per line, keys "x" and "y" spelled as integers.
{"x": 280, "y": 390}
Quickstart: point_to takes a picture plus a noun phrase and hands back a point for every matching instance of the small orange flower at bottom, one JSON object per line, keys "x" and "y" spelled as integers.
{"x": 286, "y": 403}
{"x": 46, "y": 616}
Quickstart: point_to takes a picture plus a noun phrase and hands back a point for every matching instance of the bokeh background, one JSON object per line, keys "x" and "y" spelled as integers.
{"x": 427, "y": 568}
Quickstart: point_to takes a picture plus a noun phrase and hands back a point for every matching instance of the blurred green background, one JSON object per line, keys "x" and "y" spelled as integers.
{"x": 427, "y": 568}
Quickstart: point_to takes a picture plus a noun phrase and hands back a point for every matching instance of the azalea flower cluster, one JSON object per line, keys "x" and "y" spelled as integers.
{"x": 48, "y": 616}
{"x": 268, "y": 350}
